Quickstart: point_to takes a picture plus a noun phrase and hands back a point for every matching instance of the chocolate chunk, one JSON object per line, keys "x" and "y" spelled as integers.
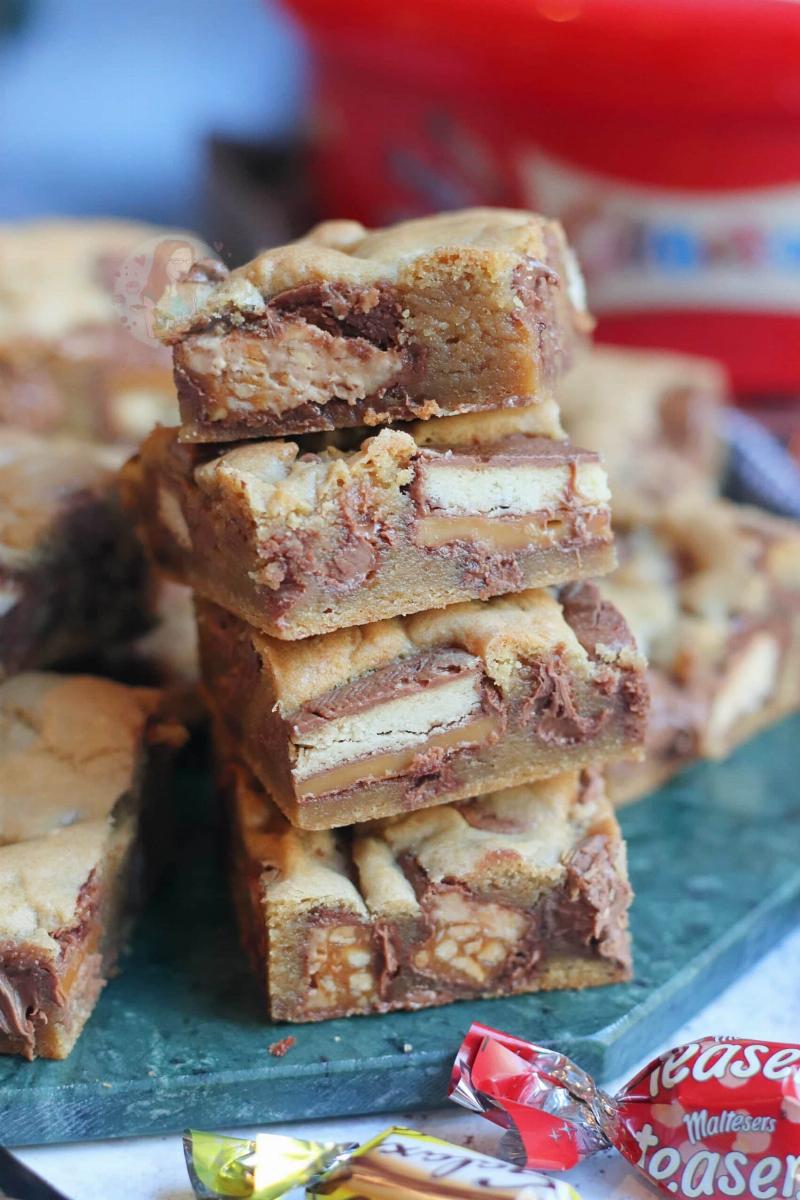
{"x": 370, "y": 313}
{"x": 27, "y": 989}
{"x": 592, "y": 901}
{"x": 401, "y": 678}
{"x": 551, "y": 708}
{"x": 594, "y": 621}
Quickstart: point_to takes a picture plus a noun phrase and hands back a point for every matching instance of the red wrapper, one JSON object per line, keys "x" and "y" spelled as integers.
{"x": 719, "y": 1117}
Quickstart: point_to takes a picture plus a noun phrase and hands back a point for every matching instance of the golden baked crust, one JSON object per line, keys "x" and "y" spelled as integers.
{"x": 51, "y": 276}
{"x": 689, "y": 579}
{"x": 70, "y": 747}
{"x": 75, "y": 356}
{"x": 41, "y": 882}
{"x": 510, "y": 844}
{"x": 504, "y": 842}
{"x": 499, "y": 633}
{"x": 347, "y": 252}
{"x": 49, "y": 279}
{"x": 37, "y": 475}
{"x": 73, "y": 575}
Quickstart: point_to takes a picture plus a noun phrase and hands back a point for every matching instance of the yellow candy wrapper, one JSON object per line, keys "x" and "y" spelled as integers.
{"x": 398, "y": 1164}
{"x": 263, "y": 1168}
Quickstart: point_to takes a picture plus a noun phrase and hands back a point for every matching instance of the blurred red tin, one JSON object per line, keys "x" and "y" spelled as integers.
{"x": 665, "y": 135}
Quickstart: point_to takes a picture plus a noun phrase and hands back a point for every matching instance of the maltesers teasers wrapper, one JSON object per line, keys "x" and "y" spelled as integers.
{"x": 397, "y": 1164}
{"x": 719, "y": 1117}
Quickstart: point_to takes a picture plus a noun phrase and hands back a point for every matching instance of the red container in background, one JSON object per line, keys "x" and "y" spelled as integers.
{"x": 664, "y": 133}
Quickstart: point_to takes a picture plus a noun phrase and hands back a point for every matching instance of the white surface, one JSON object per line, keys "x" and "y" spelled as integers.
{"x": 765, "y": 1004}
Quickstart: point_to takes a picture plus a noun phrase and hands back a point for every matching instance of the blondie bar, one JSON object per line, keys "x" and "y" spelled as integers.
{"x": 415, "y": 711}
{"x": 446, "y": 314}
{"x": 516, "y": 891}
{"x": 68, "y": 363}
{"x": 299, "y": 540}
{"x": 81, "y": 759}
{"x": 713, "y": 595}
{"x": 73, "y": 578}
{"x": 655, "y": 418}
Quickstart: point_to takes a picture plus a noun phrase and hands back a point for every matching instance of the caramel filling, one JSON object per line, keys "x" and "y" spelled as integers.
{"x": 383, "y": 766}
{"x": 517, "y": 533}
{"x": 89, "y": 946}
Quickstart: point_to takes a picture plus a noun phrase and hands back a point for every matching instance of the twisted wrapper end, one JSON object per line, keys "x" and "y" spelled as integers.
{"x": 264, "y": 1168}
{"x": 554, "y": 1113}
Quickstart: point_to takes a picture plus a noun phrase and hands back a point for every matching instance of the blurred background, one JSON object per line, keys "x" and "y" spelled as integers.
{"x": 109, "y": 106}
{"x": 666, "y": 137}
{"x": 664, "y": 134}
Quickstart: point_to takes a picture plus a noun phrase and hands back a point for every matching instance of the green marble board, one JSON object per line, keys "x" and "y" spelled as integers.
{"x": 179, "y": 1038}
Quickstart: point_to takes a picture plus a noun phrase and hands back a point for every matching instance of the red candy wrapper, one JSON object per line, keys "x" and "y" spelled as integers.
{"x": 719, "y": 1117}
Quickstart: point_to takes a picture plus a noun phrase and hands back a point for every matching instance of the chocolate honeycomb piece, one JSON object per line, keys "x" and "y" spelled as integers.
{"x": 445, "y": 314}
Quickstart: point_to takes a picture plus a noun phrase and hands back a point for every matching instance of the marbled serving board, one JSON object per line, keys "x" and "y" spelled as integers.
{"x": 179, "y": 1038}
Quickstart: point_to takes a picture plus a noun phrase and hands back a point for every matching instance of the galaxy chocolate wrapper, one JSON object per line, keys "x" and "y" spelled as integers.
{"x": 398, "y": 1164}
{"x": 717, "y": 1118}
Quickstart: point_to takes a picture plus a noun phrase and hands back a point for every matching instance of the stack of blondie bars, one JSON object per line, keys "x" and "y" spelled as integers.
{"x": 412, "y": 680}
